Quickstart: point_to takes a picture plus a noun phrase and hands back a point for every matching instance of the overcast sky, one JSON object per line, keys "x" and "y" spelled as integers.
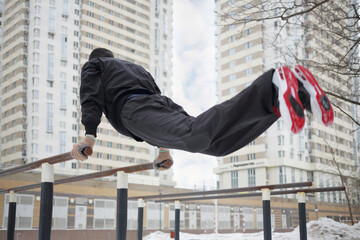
{"x": 194, "y": 80}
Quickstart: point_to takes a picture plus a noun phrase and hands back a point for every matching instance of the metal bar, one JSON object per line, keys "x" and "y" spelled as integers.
{"x": 177, "y": 220}
{"x": 51, "y": 160}
{"x": 232, "y": 190}
{"x": 128, "y": 169}
{"x": 33, "y": 165}
{"x": 121, "y": 210}
{"x": 302, "y": 216}
{"x": 46, "y": 201}
{"x": 255, "y": 194}
{"x": 140, "y": 219}
{"x": 266, "y": 213}
{"x": 11, "y": 217}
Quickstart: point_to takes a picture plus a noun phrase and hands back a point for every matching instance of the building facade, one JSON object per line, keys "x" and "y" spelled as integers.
{"x": 44, "y": 48}
{"x": 245, "y": 50}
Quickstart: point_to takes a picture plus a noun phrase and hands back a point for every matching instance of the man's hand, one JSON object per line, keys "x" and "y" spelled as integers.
{"x": 76, "y": 154}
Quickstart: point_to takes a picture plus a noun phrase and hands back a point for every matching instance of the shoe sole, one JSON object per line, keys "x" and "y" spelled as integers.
{"x": 290, "y": 107}
{"x": 320, "y": 104}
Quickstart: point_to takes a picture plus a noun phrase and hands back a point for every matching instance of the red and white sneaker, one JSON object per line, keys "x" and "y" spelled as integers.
{"x": 320, "y": 105}
{"x": 290, "y": 105}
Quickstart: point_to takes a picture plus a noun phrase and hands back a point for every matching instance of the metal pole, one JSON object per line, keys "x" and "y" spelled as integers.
{"x": 177, "y": 220}
{"x": 46, "y": 202}
{"x": 160, "y": 210}
{"x": 11, "y": 216}
{"x": 140, "y": 218}
{"x": 266, "y": 213}
{"x": 302, "y": 215}
{"x": 121, "y": 214}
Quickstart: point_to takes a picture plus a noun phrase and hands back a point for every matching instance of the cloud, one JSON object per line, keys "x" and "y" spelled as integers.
{"x": 194, "y": 79}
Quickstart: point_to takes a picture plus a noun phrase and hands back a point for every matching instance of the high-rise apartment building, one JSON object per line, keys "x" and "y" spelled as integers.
{"x": 245, "y": 51}
{"x": 1, "y": 38}
{"x": 44, "y": 47}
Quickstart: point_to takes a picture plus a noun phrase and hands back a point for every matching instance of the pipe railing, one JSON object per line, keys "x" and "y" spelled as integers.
{"x": 223, "y": 191}
{"x": 47, "y": 182}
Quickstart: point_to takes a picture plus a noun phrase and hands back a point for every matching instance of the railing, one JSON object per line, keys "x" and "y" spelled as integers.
{"x": 47, "y": 187}
{"x": 47, "y": 184}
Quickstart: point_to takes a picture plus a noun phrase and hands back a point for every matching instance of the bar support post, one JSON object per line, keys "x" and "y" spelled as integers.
{"x": 177, "y": 220}
{"x": 302, "y": 215}
{"x": 266, "y": 213}
{"x": 121, "y": 213}
{"x": 11, "y": 216}
{"x": 46, "y": 201}
{"x": 140, "y": 218}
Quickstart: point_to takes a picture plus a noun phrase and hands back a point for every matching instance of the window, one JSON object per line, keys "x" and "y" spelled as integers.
{"x": 281, "y": 140}
{"x": 52, "y": 19}
{"x": 104, "y": 214}
{"x": 51, "y": 63}
{"x": 248, "y": 58}
{"x": 35, "y": 68}
{"x": 232, "y": 90}
{"x": 34, "y": 148}
{"x": 48, "y": 148}
{"x": 248, "y": 45}
{"x": 36, "y": 33}
{"x": 35, "y": 107}
{"x": 249, "y": 71}
{"x": 232, "y": 51}
{"x": 64, "y": 46}
{"x": 251, "y": 156}
{"x": 49, "y": 116}
{"x": 24, "y": 218}
{"x": 282, "y": 174}
{"x": 35, "y": 94}
{"x": 234, "y": 179}
{"x": 281, "y": 154}
{"x": 36, "y": 57}
{"x": 37, "y": 9}
{"x": 37, "y": 21}
{"x": 152, "y": 213}
{"x": 293, "y": 175}
{"x": 247, "y": 32}
{"x": 60, "y": 213}
{"x": 232, "y": 77}
{"x": 234, "y": 159}
{"x": 36, "y": 44}
{"x": 62, "y": 136}
{"x": 251, "y": 177}
{"x": 35, "y": 134}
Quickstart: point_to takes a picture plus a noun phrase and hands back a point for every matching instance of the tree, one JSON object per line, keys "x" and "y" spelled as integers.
{"x": 335, "y": 21}
{"x": 329, "y": 44}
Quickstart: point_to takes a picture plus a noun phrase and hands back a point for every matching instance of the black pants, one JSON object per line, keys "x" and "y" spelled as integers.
{"x": 220, "y": 130}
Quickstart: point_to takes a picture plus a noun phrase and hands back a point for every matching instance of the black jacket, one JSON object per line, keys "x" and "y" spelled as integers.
{"x": 105, "y": 85}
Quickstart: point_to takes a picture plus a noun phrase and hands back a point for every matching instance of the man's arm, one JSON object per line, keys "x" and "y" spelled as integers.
{"x": 91, "y": 97}
{"x": 92, "y": 103}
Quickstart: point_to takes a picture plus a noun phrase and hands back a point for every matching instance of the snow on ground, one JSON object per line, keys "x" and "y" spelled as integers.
{"x": 323, "y": 229}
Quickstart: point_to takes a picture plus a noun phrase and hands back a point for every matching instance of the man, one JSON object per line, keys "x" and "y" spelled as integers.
{"x": 133, "y": 104}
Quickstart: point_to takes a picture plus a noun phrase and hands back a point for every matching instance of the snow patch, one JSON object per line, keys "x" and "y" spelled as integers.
{"x": 323, "y": 229}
